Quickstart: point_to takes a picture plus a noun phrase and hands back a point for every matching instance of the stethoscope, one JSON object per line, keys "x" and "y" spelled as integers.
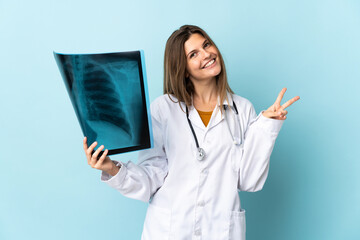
{"x": 200, "y": 155}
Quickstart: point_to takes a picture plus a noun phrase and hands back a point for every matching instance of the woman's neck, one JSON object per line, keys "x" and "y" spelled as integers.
{"x": 206, "y": 95}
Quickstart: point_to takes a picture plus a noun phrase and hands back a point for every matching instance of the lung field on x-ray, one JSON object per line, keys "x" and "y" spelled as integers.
{"x": 101, "y": 99}
{"x": 107, "y": 95}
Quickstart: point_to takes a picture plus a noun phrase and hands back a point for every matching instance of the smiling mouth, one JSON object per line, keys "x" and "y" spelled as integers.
{"x": 209, "y": 63}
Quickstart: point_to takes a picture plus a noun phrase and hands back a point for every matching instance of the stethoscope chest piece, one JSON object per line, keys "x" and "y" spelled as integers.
{"x": 200, "y": 154}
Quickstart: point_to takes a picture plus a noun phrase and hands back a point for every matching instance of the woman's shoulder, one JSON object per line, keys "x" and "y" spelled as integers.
{"x": 244, "y": 107}
{"x": 164, "y": 105}
{"x": 166, "y": 100}
{"x": 242, "y": 102}
{"x": 240, "y": 99}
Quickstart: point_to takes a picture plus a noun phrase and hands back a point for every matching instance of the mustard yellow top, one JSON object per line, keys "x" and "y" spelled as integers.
{"x": 205, "y": 117}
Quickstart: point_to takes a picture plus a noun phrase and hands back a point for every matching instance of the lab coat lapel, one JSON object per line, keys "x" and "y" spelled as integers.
{"x": 217, "y": 116}
{"x": 195, "y": 118}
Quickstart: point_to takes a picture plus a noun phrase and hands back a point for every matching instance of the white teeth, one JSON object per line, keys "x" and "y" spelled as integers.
{"x": 209, "y": 63}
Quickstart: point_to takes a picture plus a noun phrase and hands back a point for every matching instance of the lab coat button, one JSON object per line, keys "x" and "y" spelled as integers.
{"x": 198, "y": 232}
{"x": 205, "y": 171}
{"x": 201, "y": 204}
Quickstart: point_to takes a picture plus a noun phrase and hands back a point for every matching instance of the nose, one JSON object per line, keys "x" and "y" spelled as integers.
{"x": 206, "y": 54}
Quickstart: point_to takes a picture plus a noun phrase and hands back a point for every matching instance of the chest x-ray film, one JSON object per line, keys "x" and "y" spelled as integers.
{"x": 109, "y": 95}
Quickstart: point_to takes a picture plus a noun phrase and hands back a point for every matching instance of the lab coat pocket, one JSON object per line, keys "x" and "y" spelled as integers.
{"x": 237, "y": 228}
{"x": 157, "y": 223}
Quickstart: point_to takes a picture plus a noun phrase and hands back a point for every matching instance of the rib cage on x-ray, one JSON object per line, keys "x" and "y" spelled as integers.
{"x": 106, "y": 94}
{"x": 99, "y": 94}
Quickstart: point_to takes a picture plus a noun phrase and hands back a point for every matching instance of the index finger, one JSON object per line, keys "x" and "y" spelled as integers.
{"x": 291, "y": 101}
{"x": 280, "y": 96}
{"x": 85, "y": 143}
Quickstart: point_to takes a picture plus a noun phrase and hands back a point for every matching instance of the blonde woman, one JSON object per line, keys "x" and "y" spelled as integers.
{"x": 208, "y": 145}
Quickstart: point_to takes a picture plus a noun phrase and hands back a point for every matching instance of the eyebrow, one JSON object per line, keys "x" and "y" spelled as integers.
{"x": 196, "y": 49}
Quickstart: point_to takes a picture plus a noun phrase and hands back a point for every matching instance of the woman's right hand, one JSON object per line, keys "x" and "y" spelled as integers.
{"x": 104, "y": 163}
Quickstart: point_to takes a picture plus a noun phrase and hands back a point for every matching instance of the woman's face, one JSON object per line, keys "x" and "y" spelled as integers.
{"x": 202, "y": 59}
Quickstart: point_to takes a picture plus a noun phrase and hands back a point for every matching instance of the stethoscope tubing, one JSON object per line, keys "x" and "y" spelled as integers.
{"x": 201, "y": 152}
{"x": 191, "y": 127}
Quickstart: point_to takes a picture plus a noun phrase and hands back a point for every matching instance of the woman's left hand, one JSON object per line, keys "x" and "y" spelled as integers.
{"x": 276, "y": 111}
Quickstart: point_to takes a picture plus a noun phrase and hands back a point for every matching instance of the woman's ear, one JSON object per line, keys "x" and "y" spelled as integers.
{"x": 187, "y": 75}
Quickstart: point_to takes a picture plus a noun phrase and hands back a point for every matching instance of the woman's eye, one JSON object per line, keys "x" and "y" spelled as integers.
{"x": 192, "y": 55}
{"x": 206, "y": 45}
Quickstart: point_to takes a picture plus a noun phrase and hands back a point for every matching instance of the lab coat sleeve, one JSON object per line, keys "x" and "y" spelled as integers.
{"x": 259, "y": 142}
{"x": 140, "y": 181}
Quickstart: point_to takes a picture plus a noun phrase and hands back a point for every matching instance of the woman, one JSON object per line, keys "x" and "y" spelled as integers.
{"x": 208, "y": 145}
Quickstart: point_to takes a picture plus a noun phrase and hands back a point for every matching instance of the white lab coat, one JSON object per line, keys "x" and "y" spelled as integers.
{"x": 192, "y": 199}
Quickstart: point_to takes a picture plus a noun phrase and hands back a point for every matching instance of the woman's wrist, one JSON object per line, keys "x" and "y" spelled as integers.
{"x": 114, "y": 170}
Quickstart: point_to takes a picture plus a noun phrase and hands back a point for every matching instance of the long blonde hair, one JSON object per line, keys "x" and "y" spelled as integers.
{"x": 175, "y": 81}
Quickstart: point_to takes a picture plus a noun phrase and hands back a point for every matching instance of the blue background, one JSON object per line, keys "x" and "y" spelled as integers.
{"x": 311, "y": 47}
